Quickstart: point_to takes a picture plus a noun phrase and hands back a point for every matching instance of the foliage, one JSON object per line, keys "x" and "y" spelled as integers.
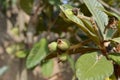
{"x": 88, "y": 67}
{"x": 47, "y": 68}
{"x": 57, "y": 30}
{"x": 98, "y": 15}
{"x": 26, "y": 5}
{"x": 115, "y": 57}
{"x": 37, "y": 54}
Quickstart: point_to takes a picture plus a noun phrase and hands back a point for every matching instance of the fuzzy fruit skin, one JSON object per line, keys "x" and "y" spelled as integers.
{"x": 63, "y": 44}
{"x": 63, "y": 57}
{"x": 52, "y": 46}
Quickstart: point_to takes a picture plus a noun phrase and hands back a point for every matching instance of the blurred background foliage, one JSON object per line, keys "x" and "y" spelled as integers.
{"x": 25, "y": 22}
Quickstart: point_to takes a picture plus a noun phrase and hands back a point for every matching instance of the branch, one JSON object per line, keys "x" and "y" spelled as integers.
{"x": 78, "y": 48}
{"x": 109, "y": 7}
{"x": 32, "y": 23}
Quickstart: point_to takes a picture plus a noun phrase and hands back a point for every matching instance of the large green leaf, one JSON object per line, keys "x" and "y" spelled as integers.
{"x": 116, "y": 39}
{"x": 91, "y": 67}
{"x": 37, "y": 54}
{"x": 67, "y": 10}
{"x": 100, "y": 17}
{"x": 47, "y": 68}
{"x": 26, "y": 5}
{"x": 115, "y": 57}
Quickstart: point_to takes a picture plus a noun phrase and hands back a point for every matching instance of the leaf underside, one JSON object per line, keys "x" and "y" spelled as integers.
{"x": 100, "y": 17}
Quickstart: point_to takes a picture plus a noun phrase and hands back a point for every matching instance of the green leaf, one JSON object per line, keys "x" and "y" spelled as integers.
{"x": 112, "y": 14}
{"x": 116, "y": 39}
{"x": 115, "y": 57}
{"x": 91, "y": 67}
{"x": 37, "y": 54}
{"x": 47, "y": 68}
{"x": 67, "y": 10}
{"x": 100, "y": 17}
{"x": 88, "y": 24}
{"x": 21, "y": 54}
{"x": 26, "y": 5}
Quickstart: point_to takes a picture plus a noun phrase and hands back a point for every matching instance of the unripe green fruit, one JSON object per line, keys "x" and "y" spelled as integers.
{"x": 52, "y": 46}
{"x": 63, "y": 44}
{"x": 63, "y": 57}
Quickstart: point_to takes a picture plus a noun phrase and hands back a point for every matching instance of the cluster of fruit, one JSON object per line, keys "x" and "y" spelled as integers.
{"x": 61, "y": 44}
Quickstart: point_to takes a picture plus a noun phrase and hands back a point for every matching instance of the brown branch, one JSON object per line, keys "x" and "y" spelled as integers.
{"x": 32, "y": 23}
{"x": 80, "y": 44}
{"x": 84, "y": 17}
{"x": 81, "y": 50}
{"x": 50, "y": 24}
{"x": 109, "y": 7}
{"x": 78, "y": 48}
